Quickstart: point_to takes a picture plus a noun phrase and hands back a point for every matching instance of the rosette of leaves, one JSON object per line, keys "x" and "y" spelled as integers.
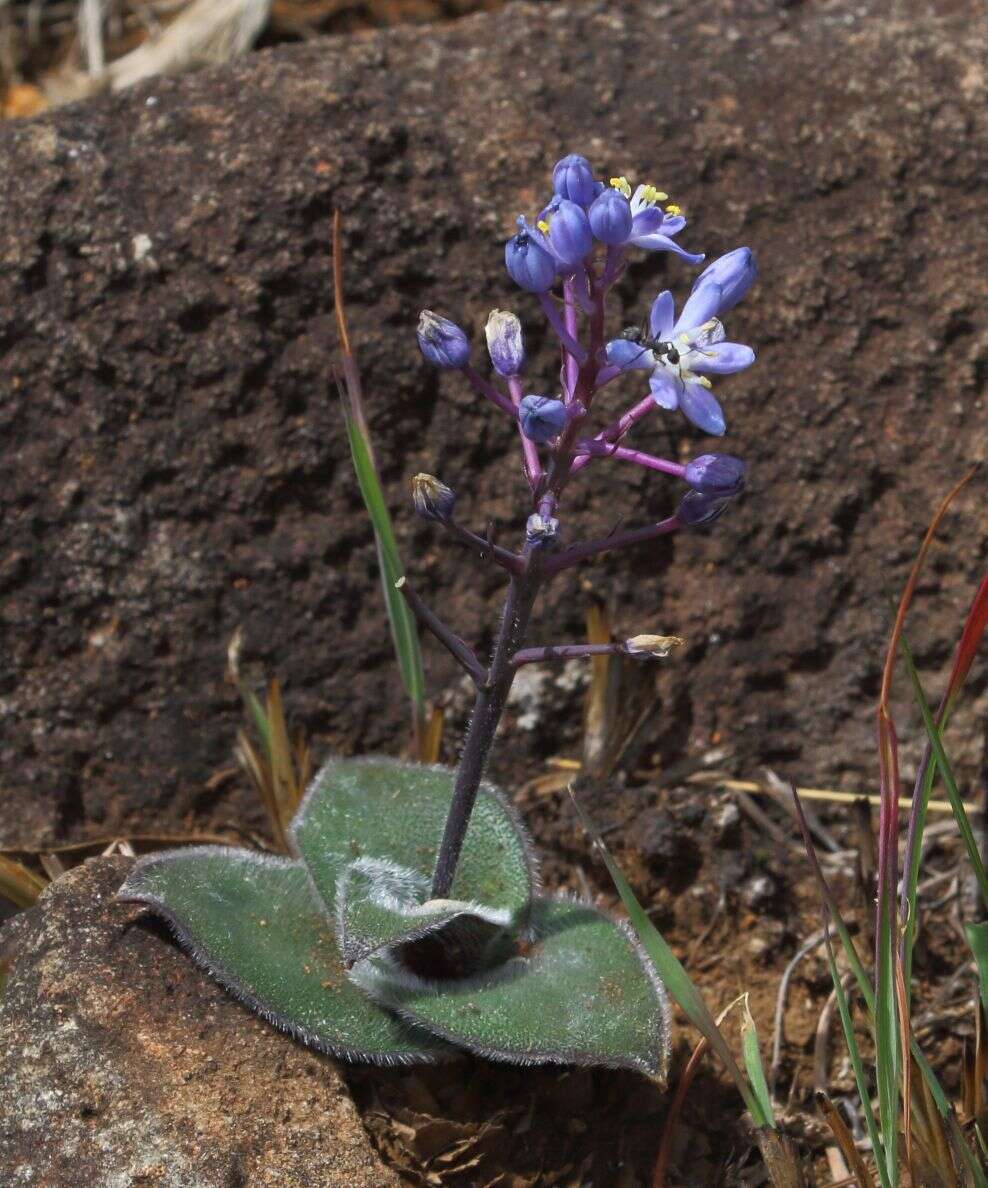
{"x": 342, "y": 946}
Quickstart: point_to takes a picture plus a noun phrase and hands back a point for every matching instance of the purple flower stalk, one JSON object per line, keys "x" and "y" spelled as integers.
{"x": 569, "y": 259}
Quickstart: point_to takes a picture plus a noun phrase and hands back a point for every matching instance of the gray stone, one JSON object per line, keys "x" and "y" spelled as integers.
{"x": 122, "y": 1064}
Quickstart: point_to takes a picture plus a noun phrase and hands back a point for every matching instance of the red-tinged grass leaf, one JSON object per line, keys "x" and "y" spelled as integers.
{"x": 947, "y": 775}
{"x": 910, "y": 588}
{"x": 974, "y": 629}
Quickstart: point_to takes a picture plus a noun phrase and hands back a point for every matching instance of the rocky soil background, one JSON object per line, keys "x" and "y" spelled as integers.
{"x": 174, "y": 467}
{"x": 174, "y": 463}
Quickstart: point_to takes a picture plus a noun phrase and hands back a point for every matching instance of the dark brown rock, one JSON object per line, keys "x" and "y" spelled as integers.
{"x": 122, "y": 1063}
{"x": 172, "y": 452}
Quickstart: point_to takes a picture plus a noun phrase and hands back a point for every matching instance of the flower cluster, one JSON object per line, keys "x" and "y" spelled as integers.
{"x": 577, "y": 245}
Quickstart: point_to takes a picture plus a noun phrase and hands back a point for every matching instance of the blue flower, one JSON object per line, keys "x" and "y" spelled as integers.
{"x": 504, "y": 342}
{"x": 541, "y": 418}
{"x": 716, "y": 474}
{"x": 572, "y": 178}
{"x": 621, "y": 217}
{"x": 680, "y": 353}
{"x": 529, "y": 262}
{"x": 611, "y": 218}
{"x": 568, "y": 231}
{"x": 441, "y": 341}
{"x": 725, "y": 281}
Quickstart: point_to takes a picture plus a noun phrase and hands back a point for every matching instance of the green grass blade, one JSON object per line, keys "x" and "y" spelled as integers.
{"x": 753, "y": 1063}
{"x": 911, "y": 924}
{"x": 857, "y": 1065}
{"x": 887, "y": 1041}
{"x": 977, "y": 938}
{"x": 260, "y": 717}
{"x": 947, "y": 775}
{"x": 677, "y": 981}
{"x": 403, "y": 627}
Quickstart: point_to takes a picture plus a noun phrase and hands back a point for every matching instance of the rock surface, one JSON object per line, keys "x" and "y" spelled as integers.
{"x": 172, "y": 452}
{"x": 122, "y": 1064}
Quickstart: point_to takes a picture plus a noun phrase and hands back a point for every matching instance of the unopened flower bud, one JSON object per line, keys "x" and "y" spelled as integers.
{"x": 697, "y": 507}
{"x": 735, "y": 272}
{"x": 652, "y": 647}
{"x": 441, "y": 341}
{"x": 541, "y": 418}
{"x": 504, "y": 342}
{"x": 572, "y": 178}
{"x": 529, "y": 264}
{"x": 433, "y": 500}
{"x": 541, "y": 530}
{"x": 569, "y": 232}
{"x": 610, "y": 217}
{"x": 716, "y": 474}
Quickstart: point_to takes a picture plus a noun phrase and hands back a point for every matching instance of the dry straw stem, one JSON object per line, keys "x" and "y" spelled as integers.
{"x": 828, "y": 794}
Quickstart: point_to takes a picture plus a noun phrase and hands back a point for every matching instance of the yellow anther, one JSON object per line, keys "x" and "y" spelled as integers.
{"x": 652, "y": 196}
{"x": 672, "y": 208}
{"x": 702, "y": 379}
{"x": 543, "y": 226}
{"x": 621, "y": 185}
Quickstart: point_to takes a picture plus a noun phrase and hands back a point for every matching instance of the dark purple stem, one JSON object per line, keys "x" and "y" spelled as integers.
{"x": 487, "y": 712}
{"x": 620, "y": 540}
{"x": 489, "y": 392}
{"x": 458, "y": 648}
{"x": 484, "y": 549}
{"x": 566, "y": 652}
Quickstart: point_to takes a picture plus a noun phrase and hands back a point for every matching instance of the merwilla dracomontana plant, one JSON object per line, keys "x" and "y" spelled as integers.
{"x": 410, "y": 920}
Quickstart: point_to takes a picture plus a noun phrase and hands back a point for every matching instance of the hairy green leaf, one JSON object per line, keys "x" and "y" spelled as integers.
{"x": 380, "y": 904}
{"x": 385, "y": 809}
{"x": 255, "y": 924}
{"x": 584, "y": 993}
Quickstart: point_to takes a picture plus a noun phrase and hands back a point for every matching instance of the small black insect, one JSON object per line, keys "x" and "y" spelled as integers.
{"x": 640, "y": 335}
